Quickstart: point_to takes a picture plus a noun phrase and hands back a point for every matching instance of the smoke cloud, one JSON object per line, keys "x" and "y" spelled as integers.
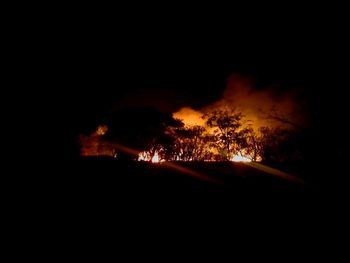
{"x": 266, "y": 106}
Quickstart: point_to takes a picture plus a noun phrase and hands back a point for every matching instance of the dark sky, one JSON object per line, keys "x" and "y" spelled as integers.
{"x": 171, "y": 75}
{"x": 89, "y": 70}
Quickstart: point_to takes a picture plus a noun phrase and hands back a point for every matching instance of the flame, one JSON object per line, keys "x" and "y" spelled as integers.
{"x": 155, "y": 158}
{"x": 101, "y": 130}
{"x": 239, "y": 158}
{"x": 145, "y": 156}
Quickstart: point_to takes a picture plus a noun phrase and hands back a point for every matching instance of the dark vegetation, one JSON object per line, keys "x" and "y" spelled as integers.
{"x": 226, "y": 134}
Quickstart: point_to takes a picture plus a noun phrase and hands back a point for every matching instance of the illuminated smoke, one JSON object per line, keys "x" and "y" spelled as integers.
{"x": 264, "y": 107}
{"x": 190, "y": 116}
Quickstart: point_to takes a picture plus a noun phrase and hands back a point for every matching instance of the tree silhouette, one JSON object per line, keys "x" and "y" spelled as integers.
{"x": 280, "y": 144}
{"x": 191, "y": 144}
{"x": 226, "y": 126}
{"x": 141, "y": 129}
{"x": 249, "y": 143}
{"x": 130, "y": 131}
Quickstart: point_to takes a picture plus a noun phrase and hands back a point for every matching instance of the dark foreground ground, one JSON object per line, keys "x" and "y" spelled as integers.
{"x": 103, "y": 183}
{"x": 106, "y": 194}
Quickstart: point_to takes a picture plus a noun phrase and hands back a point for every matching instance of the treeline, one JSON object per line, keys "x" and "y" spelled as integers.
{"x": 149, "y": 133}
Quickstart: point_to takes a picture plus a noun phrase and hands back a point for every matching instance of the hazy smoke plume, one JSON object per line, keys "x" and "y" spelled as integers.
{"x": 262, "y": 107}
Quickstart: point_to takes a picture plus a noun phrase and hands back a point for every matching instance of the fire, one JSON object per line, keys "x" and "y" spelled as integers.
{"x": 145, "y": 156}
{"x": 155, "y": 158}
{"x": 101, "y": 130}
{"x": 239, "y": 158}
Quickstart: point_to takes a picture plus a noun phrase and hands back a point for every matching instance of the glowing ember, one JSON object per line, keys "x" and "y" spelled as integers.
{"x": 101, "y": 130}
{"x": 239, "y": 158}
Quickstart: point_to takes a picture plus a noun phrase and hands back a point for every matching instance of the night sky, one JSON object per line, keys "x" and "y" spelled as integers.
{"x": 177, "y": 76}
{"x": 90, "y": 71}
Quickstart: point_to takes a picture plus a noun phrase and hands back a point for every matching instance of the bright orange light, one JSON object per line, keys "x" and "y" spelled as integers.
{"x": 101, "y": 130}
{"x": 190, "y": 117}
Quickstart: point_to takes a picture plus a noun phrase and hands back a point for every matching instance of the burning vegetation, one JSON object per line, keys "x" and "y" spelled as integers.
{"x": 243, "y": 126}
{"x": 224, "y": 136}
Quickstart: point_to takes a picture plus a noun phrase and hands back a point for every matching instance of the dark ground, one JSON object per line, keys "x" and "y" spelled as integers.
{"x": 107, "y": 185}
{"x": 128, "y": 200}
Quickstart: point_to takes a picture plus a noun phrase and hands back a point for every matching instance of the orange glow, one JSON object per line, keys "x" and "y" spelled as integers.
{"x": 260, "y": 107}
{"x": 190, "y": 117}
{"x": 101, "y": 130}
